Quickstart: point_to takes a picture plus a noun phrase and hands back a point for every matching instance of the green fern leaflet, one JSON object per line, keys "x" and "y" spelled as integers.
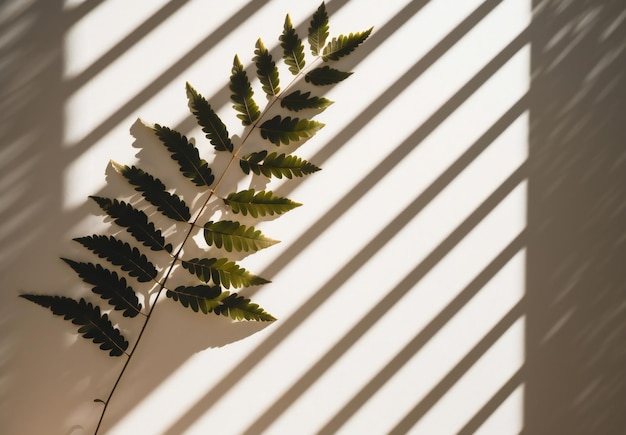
{"x": 276, "y": 165}
{"x": 109, "y": 286}
{"x": 259, "y": 203}
{"x": 93, "y": 325}
{"x": 326, "y": 76}
{"x": 242, "y": 94}
{"x": 297, "y": 101}
{"x": 223, "y": 272}
{"x": 344, "y": 45}
{"x": 279, "y": 130}
{"x": 187, "y": 156}
{"x": 211, "y": 124}
{"x": 135, "y": 221}
{"x": 318, "y": 30}
{"x": 293, "y": 50}
{"x": 121, "y": 254}
{"x": 235, "y": 236}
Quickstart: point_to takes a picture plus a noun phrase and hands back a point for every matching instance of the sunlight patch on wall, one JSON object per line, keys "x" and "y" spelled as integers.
{"x": 483, "y": 380}
{"x": 446, "y": 215}
{"x": 366, "y": 287}
{"x": 396, "y": 330}
{"x": 86, "y": 42}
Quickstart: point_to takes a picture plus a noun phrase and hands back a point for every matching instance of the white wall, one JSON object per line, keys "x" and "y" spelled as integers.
{"x": 399, "y": 284}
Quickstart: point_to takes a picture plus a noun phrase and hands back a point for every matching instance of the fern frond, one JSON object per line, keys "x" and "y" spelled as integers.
{"x": 120, "y": 254}
{"x": 109, "y": 286}
{"x": 279, "y": 130}
{"x": 93, "y": 325}
{"x": 153, "y": 190}
{"x": 187, "y": 156}
{"x": 277, "y": 165}
{"x": 266, "y": 69}
{"x": 211, "y": 300}
{"x": 318, "y": 30}
{"x": 222, "y": 272}
{"x": 293, "y": 50}
{"x": 242, "y": 94}
{"x": 211, "y": 124}
{"x": 325, "y": 76}
{"x": 233, "y": 235}
{"x": 297, "y": 101}
{"x": 259, "y": 203}
{"x": 343, "y": 45}
{"x": 135, "y": 221}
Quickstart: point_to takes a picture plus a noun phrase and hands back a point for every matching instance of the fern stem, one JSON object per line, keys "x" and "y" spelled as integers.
{"x": 192, "y": 225}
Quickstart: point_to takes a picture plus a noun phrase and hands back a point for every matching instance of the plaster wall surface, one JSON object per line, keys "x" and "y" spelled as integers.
{"x": 456, "y": 266}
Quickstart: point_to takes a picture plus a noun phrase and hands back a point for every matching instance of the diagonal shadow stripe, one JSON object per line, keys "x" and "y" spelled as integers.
{"x": 118, "y": 50}
{"x": 222, "y": 96}
{"x": 492, "y": 404}
{"x": 400, "y": 85}
{"x": 393, "y": 297}
{"x": 394, "y": 157}
{"x": 218, "y": 99}
{"x": 459, "y": 369}
{"x": 283, "y": 330}
{"x": 423, "y": 336}
{"x": 166, "y": 77}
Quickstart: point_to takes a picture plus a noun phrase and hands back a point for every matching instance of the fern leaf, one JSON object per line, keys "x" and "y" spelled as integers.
{"x": 187, "y": 156}
{"x": 109, "y": 286}
{"x": 326, "y": 76}
{"x": 266, "y": 69}
{"x": 211, "y": 300}
{"x": 343, "y": 45}
{"x": 239, "y": 308}
{"x": 318, "y": 30}
{"x": 135, "y": 221}
{"x": 153, "y": 190}
{"x": 285, "y": 130}
{"x": 120, "y": 254}
{"x": 277, "y": 165}
{"x": 297, "y": 101}
{"x": 201, "y": 297}
{"x": 293, "y": 50}
{"x": 259, "y": 203}
{"x": 232, "y": 235}
{"x": 211, "y": 124}
{"x": 242, "y": 94}
{"x": 93, "y": 325}
{"x": 222, "y": 272}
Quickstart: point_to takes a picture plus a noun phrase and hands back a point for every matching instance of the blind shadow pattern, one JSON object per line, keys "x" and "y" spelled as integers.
{"x": 285, "y": 328}
{"x": 576, "y": 281}
{"x": 55, "y": 158}
{"x": 575, "y": 323}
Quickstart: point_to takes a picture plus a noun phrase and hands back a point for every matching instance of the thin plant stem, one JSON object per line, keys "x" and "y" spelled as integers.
{"x": 192, "y": 224}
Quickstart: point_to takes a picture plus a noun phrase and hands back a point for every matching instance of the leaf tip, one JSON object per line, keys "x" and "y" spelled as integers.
{"x": 67, "y": 260}
{"x": 119, "y": 168}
